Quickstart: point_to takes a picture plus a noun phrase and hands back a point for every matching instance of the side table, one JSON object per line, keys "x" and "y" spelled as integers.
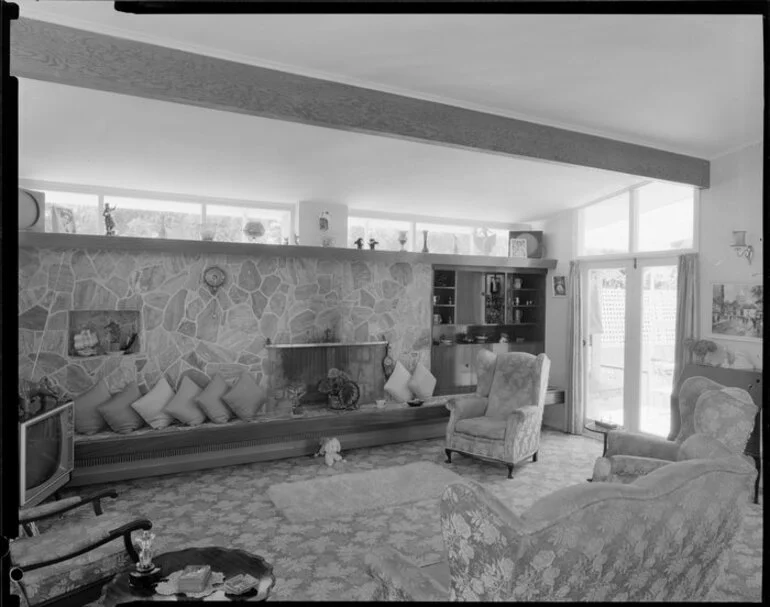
{"x": 593, "y": 427}
{"x": 228, "y": 561}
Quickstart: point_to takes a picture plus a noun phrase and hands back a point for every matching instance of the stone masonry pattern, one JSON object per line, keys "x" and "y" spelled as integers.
{"x": 185, "y": 330}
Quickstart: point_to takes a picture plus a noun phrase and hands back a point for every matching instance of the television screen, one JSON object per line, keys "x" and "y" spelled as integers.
{"x": 43, "y": 452}
{"x": 47, "y": 453}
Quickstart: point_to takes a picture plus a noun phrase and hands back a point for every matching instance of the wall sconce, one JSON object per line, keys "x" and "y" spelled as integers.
{"x": 740, "y": 247}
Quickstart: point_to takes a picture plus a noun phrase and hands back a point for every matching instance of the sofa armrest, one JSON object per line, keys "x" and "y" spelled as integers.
{"x": 87, "y": 544}
{"x": 36, "y": 513}
{"x": 624, "y": 468}
{"x": 465, "y": 407}
{"x": 399, "y": 578}
{"x": 518, "y": 418}
{"x": 620, "y": 442}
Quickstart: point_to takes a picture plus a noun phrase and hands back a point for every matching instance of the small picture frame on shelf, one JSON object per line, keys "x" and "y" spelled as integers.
{"x": 517, "y": 248}
{"x": 559, "y": 285}
{"x": 62, "y": 219}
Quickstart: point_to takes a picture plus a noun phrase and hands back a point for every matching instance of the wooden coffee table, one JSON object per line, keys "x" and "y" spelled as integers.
{"x": 228, "y": 561}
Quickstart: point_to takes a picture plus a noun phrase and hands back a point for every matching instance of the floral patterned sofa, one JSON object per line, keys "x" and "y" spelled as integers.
{"x": 663, "y": 537}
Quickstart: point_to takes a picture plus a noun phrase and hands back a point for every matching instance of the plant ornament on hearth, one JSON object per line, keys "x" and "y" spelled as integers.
{"x": 342, "y": 392}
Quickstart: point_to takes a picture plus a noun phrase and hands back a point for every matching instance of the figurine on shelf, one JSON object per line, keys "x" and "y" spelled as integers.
{"x": 359, "y": 242}
{"x": 373, "y": 243}
{"x": 109, "y": 222}
{"x": 323, "y": 221}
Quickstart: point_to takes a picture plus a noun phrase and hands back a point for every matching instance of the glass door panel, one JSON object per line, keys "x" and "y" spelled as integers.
{"x": 658, "y": 335}
{"x": 605, "y": 330}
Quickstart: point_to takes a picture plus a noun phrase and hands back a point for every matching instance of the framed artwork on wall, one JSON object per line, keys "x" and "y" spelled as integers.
{"x": 737, "y": 311}
{"x": 559, "y": 285}
{"x": 533, "y": 240}
{"x": 517, "y": 248}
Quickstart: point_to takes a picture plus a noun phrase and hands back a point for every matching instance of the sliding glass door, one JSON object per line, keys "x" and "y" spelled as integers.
{"x": 629, "y": 321}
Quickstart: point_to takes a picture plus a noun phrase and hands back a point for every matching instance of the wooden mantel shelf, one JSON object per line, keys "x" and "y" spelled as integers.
{"x": 46, "y": 240}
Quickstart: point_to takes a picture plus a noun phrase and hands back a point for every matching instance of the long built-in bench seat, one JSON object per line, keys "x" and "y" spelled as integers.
{"x": 108, "y": 456}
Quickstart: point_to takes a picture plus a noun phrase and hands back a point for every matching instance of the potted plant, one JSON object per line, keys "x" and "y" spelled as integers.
{"x": 341, "y": 391}
{"x": 701, "y": 348}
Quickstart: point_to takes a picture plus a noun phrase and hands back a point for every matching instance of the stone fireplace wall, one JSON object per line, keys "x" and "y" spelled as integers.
{"x": 185, "y": 330}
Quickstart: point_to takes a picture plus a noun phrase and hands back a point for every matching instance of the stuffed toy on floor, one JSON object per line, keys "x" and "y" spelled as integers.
{"x": 330, "y": 449}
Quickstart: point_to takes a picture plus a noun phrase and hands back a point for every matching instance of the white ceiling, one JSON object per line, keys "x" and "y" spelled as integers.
{"x": 73, "y": 135}
{"x": 687, "y": 84}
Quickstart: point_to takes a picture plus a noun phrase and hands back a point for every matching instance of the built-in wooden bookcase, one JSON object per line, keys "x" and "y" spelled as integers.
{"x": 477, "y": 308}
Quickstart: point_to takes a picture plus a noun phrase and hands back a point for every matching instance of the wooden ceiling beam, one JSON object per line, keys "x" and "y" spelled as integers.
{"x": 75, "y": 57}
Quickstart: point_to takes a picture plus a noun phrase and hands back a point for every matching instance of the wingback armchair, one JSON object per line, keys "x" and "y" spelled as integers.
{"x": 706, "y": 407}
{"x": 68, "y": 562}
{"x": 502, "y": 420}
{"x": 660, "y": 538}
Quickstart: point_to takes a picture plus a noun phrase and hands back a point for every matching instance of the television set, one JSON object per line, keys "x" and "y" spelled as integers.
{"x": 46, "y": 453}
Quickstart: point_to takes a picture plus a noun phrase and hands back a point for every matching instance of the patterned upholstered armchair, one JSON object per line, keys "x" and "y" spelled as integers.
{"x": 70, "y": 561}
{"x": 661, "y": 538}
{"x": 502, "y": 420}
{"x": 706, "y": 407}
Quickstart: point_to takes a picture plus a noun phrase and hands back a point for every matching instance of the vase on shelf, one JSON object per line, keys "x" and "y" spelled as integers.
{"x": 425, "y": 241}
{"x": 402, "y": 239}
{"x": 207, "y": 231}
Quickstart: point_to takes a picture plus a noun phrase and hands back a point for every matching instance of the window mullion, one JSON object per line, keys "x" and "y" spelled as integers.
{"x": 633, "y": 223}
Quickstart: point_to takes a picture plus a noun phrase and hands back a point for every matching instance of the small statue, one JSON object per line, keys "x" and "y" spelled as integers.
{"x": 373, "y": 243}
{"x": 296, "y": 392}
{"x": 359, "y": 242}
{"x": 109, "y": 222}
{"x": 146, "y": 573}
{"x": 323, "y": 221}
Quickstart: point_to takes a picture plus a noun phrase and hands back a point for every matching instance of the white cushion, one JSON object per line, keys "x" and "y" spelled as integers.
{"x": 151, "y": 405}
{"x": 397, "y": 386}
{"x": 422, "y": 383}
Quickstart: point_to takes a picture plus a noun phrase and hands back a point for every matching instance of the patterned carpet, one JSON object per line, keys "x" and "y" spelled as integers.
{"x": 323, "y": 560}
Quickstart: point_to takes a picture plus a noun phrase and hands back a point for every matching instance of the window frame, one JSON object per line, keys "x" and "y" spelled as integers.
{"x": 414, "y": 242}
{"x": 633, "y": 228}
{"x": 203, "y": 201}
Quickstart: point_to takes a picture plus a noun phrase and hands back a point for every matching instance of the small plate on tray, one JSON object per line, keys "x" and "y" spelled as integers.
{"x": 415, "y": 402}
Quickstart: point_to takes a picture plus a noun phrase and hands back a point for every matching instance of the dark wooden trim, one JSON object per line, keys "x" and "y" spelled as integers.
{"x": 49, "y": 240}
{"x": 75, "y": 57}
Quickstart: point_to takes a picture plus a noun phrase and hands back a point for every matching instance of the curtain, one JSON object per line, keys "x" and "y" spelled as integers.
{"x": 686, "y": 311}
{"x": 576, "y": 394}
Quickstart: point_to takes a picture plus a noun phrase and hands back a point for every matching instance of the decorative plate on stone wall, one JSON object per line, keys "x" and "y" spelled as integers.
{"x": 214, "y": 277}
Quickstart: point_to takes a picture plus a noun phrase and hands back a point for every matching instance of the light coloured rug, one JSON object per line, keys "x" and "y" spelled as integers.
{"x": 329, "y": 497}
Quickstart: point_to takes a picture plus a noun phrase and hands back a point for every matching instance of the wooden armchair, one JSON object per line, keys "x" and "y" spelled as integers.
{"x": 72, "y": 560}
